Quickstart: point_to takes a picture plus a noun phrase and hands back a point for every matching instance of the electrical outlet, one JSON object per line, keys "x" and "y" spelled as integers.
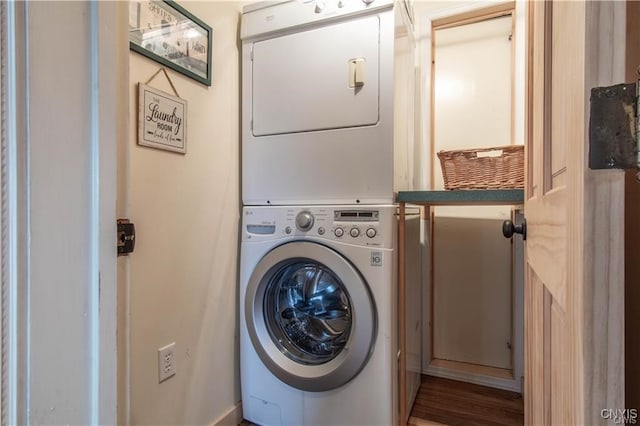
{"x": 166, "y": 362}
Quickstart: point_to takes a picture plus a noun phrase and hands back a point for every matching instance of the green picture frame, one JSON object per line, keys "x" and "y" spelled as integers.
{"x": 169, "y": 34}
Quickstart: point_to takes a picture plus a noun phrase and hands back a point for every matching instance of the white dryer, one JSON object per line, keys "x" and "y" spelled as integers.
{"x": 318, "y": 315}
{"x": 318, "y": 102}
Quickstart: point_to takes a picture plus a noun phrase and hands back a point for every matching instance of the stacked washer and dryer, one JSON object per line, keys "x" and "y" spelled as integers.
{"x": 318, "y": 328}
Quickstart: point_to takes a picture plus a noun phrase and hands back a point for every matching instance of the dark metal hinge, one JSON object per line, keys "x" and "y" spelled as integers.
{"x": 126, "y": 237}
{"x": 614, "y": 135}
{"x": 613, "y": 127}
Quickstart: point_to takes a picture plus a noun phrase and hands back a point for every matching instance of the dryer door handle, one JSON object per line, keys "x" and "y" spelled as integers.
{"x": 357, "y": 72}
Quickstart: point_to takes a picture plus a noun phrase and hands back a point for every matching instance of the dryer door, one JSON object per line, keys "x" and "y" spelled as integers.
{"x": 310, "y": 316}
{"x": 317, "y": 79}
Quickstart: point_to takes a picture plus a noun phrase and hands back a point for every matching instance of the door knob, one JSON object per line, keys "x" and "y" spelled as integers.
{"x": 508, "y": 229}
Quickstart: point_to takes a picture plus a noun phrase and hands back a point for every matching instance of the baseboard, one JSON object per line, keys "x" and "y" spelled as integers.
{"x": 233, "y": 417}
{"x": 414, "y": 421}
{"x": 469, "y": 377}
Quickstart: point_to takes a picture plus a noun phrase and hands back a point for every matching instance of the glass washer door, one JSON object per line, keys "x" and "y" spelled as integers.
{"x": 307, "y": 311}
{"x": 310, "y": 316}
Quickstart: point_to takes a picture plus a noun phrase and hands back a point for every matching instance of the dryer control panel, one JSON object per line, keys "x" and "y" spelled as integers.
{"x": 365, "y": 226}
{"x": 263, "y": 18}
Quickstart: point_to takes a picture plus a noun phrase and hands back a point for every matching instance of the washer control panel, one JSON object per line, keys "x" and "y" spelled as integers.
{"x": 350, "y": 225}
{"x": 356, "y": 223}
{"x": 365, "y": 226}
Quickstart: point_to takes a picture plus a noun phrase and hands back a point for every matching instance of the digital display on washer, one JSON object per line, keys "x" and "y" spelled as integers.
{"x": 356, "y": 215}
{"x": 261, "y": 229}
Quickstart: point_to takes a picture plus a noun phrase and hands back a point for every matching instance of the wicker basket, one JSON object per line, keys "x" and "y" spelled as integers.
{"x": 483, "y": 168}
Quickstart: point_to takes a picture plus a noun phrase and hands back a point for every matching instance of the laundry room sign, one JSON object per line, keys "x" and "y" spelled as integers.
{"x": 162, "y": 120}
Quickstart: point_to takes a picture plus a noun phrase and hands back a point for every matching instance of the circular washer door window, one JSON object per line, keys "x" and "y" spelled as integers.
{"x": 307, "y": 311}
{"x": 310, "y": 316}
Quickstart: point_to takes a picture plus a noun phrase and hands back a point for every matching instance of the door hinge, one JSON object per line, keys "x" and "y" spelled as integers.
{"x": 614, "y": 127}
{"x": 126, "y": 237}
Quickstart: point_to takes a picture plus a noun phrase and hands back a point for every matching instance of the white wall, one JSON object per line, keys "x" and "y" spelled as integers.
{"x": 183, "y": 274}
{"x": 472, "y": 292}
{"x": 472, "y": 87}
{"x": 472, "y": 97}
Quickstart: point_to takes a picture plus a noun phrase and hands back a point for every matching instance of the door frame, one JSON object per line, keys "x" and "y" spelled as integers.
{"x": 508, "y": 379}
{"x": 25, "y": 276}
{"x": 458, "y": 13}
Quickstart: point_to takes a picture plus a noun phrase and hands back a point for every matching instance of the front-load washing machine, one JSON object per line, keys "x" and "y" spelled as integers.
{"x": 317, "y": 315}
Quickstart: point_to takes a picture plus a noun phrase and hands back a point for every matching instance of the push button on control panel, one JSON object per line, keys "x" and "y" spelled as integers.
{"x": 371, "y": 232}
{"x": 338, "y": 232}
{"x": 354, "y": 232}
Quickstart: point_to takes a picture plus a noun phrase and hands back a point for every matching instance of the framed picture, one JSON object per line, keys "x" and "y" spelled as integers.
{"x": 162, "y": 120}
{"x": 168, "y": 34}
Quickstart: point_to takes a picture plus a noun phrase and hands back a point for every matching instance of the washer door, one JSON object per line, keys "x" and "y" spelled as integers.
{"x": 310, "y": 316}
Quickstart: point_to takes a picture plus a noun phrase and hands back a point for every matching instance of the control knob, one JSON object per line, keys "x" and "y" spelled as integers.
{"x": 354, "y": 232}
{"x": 371, "y": 232}
{"x": 338, "y": 232}
{"x": 304, "y": 220}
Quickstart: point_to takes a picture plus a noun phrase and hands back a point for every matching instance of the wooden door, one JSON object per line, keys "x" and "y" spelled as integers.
{"x": 574, "y": 348}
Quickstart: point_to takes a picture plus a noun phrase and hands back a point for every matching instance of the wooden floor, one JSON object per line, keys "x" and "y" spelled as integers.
{"x": 453, "y": 403}
{"x": 449, "y": 402}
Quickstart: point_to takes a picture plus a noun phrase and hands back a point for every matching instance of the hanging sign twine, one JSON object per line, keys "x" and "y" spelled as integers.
{"x": 168, "y": 79}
